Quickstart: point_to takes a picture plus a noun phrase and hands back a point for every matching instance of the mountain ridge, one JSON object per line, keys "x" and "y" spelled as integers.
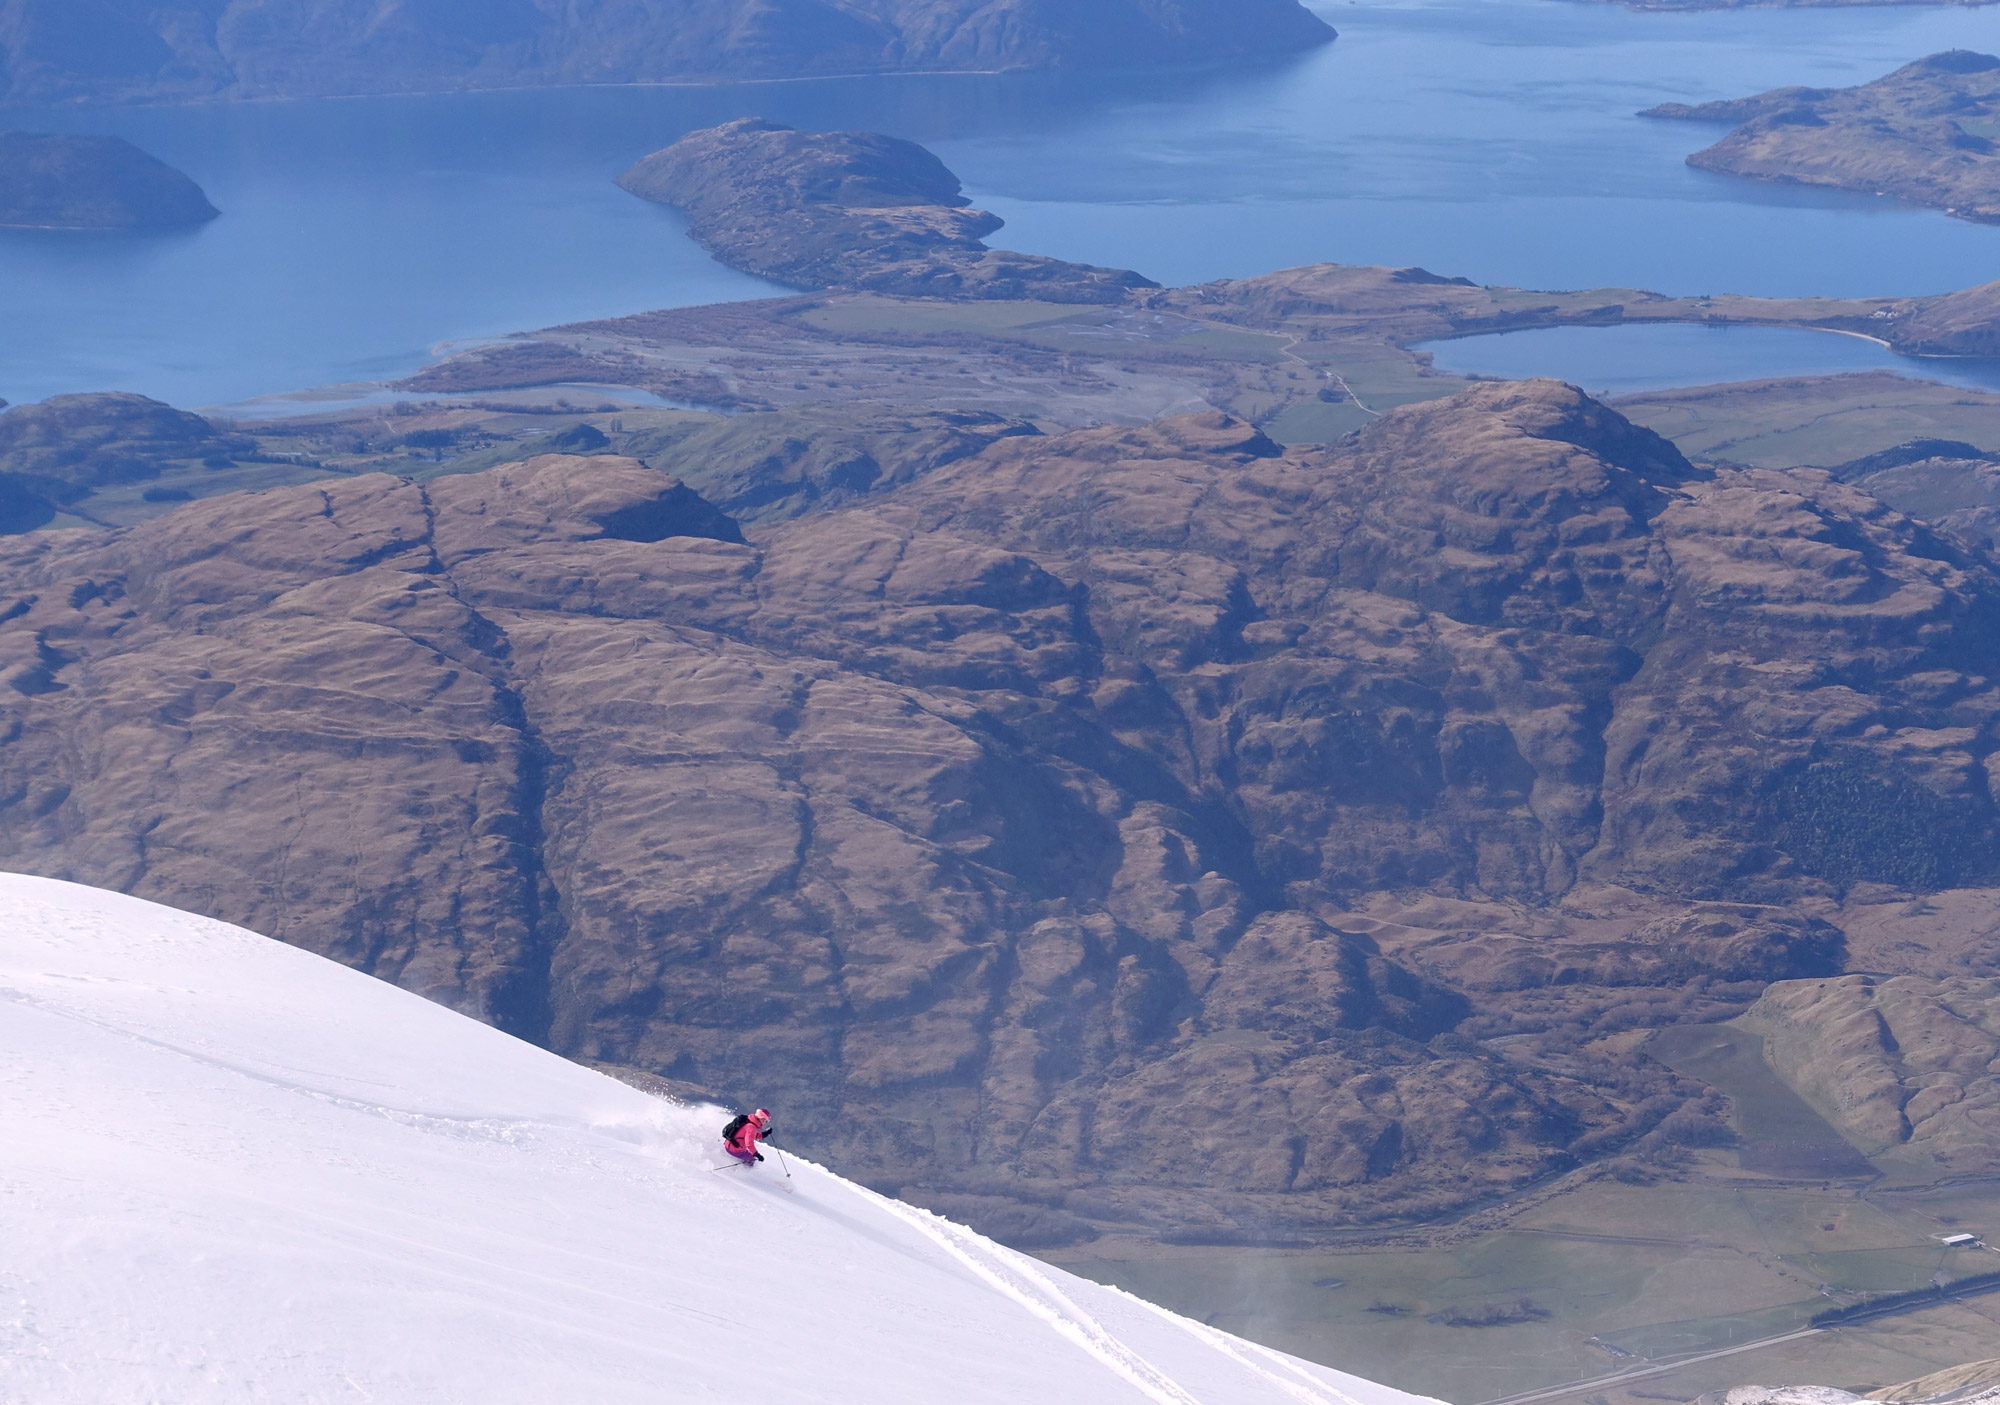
{"x": 124, "y": 50}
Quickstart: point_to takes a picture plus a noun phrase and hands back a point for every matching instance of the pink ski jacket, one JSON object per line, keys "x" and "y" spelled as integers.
{"x": 744, "y": 1143}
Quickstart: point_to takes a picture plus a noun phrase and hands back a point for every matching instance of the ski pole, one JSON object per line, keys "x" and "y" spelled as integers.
{"x": 781, "y": 1163}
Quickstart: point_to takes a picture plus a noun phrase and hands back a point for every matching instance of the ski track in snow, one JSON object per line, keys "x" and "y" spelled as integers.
{"x": 1040, "y": 1297}
{"x": 1297, "y": 1382}
{"x": 1023, "y": 1280}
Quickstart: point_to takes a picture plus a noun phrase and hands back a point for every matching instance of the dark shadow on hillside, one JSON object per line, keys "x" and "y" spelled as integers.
{"x": 1780, "y": 1135}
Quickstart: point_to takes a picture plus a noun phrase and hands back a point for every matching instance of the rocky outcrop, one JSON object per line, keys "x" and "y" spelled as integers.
{"x": 1056, "y": 826}
{"x": 852, "y": 210}
{"x": 52, "y": 50}
{"x": 1924, "y": 134}
{"x": 86, "y": 182}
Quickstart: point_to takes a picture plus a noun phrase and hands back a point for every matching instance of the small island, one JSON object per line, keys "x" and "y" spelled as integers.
{"x": 1926, "y": 134}
{"x": 857, "y": 210}
{"x": 92, "y": 182}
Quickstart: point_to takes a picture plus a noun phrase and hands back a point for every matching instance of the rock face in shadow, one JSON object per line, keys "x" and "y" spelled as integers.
{"x": 86, "y": 182}
{"x": 853, "y": 210}
{"x": 1925, "y": 133}
{"x": 57, "y": 50}
{"x": 1140, "y": 824}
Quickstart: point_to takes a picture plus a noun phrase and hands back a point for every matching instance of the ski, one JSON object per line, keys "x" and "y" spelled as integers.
{"x": 784, "y": 1185}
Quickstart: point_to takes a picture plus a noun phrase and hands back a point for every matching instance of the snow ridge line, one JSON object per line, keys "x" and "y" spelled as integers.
{"x": 1043, "y": 1299}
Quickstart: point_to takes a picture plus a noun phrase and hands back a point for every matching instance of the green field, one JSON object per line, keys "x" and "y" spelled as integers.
{"x": 863, "y": 315}
{"x": 1317, "y": 421}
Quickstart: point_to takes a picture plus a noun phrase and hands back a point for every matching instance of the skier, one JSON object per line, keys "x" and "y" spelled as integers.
{"x": 741, "y": 1136}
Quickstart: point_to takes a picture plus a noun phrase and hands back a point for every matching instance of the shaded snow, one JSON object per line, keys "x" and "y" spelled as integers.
{"x": 234, "y": 1171}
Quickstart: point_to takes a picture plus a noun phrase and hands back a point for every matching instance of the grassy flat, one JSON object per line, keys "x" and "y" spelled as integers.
{"x": 1815, "y": 419}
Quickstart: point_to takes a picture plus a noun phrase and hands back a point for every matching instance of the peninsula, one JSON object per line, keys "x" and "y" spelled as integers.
{"x": 1925, "y": 134}
{"x": 850, "y": 209}
{"x": 92, "y": 182}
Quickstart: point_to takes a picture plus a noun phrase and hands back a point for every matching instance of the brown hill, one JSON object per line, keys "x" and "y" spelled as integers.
{"x": 52, "y": 50}
{"x": 1962, "y": 323}
{"x": 58, "y": 452}
{"x": 850, "y": 209}
{"x": 1133, "y": 823}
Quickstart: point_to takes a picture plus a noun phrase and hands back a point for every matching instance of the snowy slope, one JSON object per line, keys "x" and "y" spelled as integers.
{"x": 233, "y": 1171}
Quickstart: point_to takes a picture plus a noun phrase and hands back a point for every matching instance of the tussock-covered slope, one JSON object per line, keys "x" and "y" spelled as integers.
{"x": 238, "y": 1172}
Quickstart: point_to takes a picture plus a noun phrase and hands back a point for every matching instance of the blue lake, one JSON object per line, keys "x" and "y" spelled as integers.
{"x": 1625, "y": 360}
{"x": 1491, "y": 138}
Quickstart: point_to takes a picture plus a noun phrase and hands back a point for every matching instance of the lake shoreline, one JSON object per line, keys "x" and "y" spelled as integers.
{"x": 493, "y": 209}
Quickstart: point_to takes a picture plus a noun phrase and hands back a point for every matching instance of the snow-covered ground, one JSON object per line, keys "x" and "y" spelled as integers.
{"x": 233, "y": 1171}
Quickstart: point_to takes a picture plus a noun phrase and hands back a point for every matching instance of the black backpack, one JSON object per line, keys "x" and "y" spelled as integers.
{"x": 735, "y": 1125}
